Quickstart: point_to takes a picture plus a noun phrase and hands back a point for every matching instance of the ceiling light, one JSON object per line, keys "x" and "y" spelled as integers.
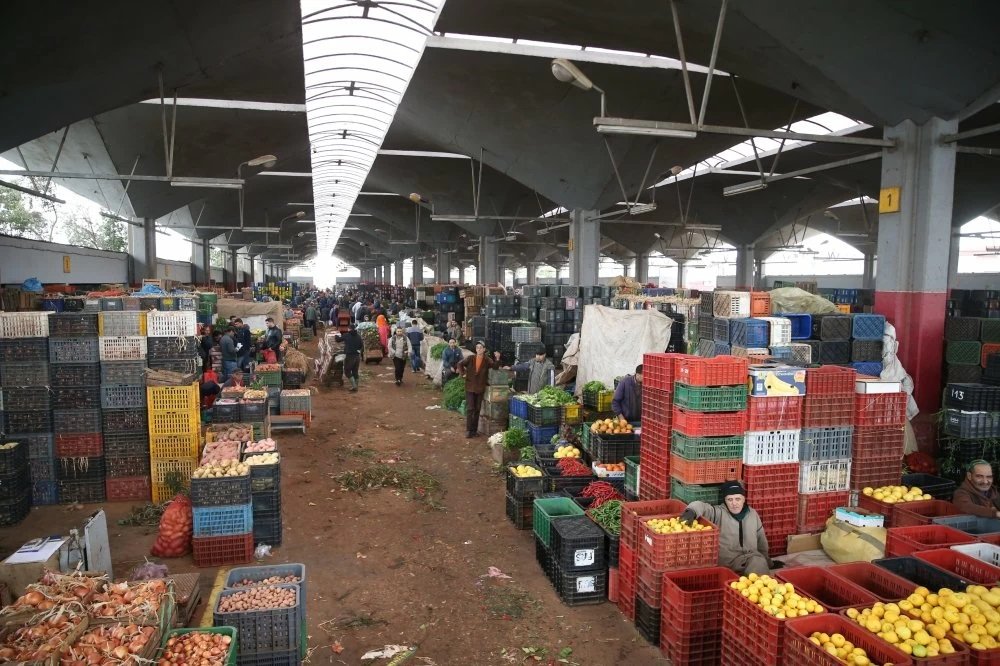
{"x": 644, "y": 128}
{"x": 266, "y": 161}
{"x": 417, "y": 199}
{"x": 510, "y": 237}
{"x": 567, "y": 72}
{"x": 743, "y": 188}
{"x": 542, "y": 231}
{"x": 640, "y": 209}
{"x": 657, "y": 235}
{"x": 196, "y": 183}
{"x": 704, "y": 227}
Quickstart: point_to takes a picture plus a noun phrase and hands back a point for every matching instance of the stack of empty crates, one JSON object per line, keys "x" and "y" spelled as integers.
{"x": 657, "y": 422}
{"x": 265, "y": 487}
{"x": 123, "y": 402}
{"x": 173, "y": 338}
{"x": 25, "y": 415}
{"x": 75, "y": 374}
{"x": 174, "y": 417}
{"x": 969, "y": 342}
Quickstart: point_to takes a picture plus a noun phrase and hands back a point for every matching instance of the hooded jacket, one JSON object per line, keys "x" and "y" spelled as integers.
{"x": 738, "y": 539}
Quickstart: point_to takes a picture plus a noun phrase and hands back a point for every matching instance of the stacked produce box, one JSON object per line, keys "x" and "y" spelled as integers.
{"x": 174, "y": 419}
{"x": 24, "y": 368}
{"x": 207, "y": 302}
{"x": 222, "y": 509}
{"x": 495, "y": 411}
{"x": 691, "y": 619}
{"x": 658, "y": 372}
{"x": 265, "y": 487}
{"x": 971, "y": 423}
{"x": 969, "y": 342}
{"x": 879, "y": 433}
{"x": 298, "y": 402}
{"x": 267, "y": 607}
{"x": 573, "y": 555}
{"x": 173, "y": 341}
{"x": 75, "y": 374}
{"x": 122, "y": 396}
{"x": 849, "y": 300}
{"x": 447, "y": 306}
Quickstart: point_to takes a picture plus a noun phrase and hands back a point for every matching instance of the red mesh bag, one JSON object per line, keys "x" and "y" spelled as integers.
{"x": 176, "y": 529}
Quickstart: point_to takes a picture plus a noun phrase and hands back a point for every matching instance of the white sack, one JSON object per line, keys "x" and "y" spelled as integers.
{"x": 893, "y": 370}
{"x": 612, "y": 342}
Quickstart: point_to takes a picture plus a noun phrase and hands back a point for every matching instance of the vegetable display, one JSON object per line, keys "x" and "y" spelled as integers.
{"x": 263, "y": 459}
{"x": 524, "y": 471}
{"x": 778, "y": 599}
{"x": 196, "y": 647}
{"x": 454, "y": 393}
{"x": 254, "y": 394}
{"x": 602, "y": 492}
{"x": 176, "y": 529}
{"x": 607, "y": 514}
{"x": 233, "y": 433}
{"x": 527, "y": 452}
{"x": 218, "y": 470}
{"x": 268, "y": 367}
{"x": 675, "y": 525}
{"x": 54, "y": 589}
{"x": 107, "y": 644}
{"x": 220, "y": 450}
{"x": 594, "y": 386}
{"x": 134, "y": 601}
{"x": 549, "y": 396}
{"x": 516, "y": 438}
{"x": 573, "y": 467}
{"x": 41, "y": 640}
{"x": 437, "y": 351}
{"x": 261, "y": 446}
{"x": 273, "y": 580}
{"x": 259, "y": 597}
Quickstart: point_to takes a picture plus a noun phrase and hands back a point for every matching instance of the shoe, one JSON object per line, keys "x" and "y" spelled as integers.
{"x": 354, "y": 389}
{"x": 398, "y": 382}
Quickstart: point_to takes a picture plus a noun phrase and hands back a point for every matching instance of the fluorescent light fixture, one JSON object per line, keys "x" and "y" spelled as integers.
{"x": 292, "y": 203}
{"x": 423, "y": 153}
{"x": 292, "y": 174}
{"x": 543, "y": 231}
{"x": 743, "y": 188}
{"x": 199, "y": 183}
{"x": 453, "y": 218}
{"x": 644, "y": 128}
{"x": 266, "y": 161}
{"x": 640, "y": 209}
{"x": 233, "y": 104}
{"x": 378, "y": 194}
{"x": 704, "y": 227}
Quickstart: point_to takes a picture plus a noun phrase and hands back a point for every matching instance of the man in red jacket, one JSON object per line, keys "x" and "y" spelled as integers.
{"x": 977, "y": 495}
{"x": 476, "y": 370}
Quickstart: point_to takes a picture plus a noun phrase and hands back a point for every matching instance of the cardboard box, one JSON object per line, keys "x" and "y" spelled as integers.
{"x": 776, "y": 380}
{"x": 858, "y": 517}
{"x": 876, "y": 385}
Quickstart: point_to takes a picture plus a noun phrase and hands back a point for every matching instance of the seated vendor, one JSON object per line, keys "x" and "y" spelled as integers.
{"x": 742, "y": 542}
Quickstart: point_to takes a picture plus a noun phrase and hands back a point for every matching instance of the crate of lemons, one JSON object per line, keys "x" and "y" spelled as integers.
{"x": 896, "y": 494}
{"x": 777, "y": 599}
{"x": 924, "y": 623}
{"x": 839, "y": 647}
{"x": 567, "y": 451}
{"x": 525, "y": 471}
{"x": 675, "y": 525}
{"x": 616, "y": 426}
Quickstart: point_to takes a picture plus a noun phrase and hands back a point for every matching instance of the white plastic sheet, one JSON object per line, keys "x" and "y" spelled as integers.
{"x": 612, "y": 342}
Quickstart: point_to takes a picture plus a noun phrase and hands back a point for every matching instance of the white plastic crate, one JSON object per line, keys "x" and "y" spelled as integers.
{"x": 781, "y": 331}
{"x": 123, "y": 348}
{"x": 731, "y": 304}
{"x": 744, "y": 352}
{"x": 24, "y": 324}
{"x": 986, "y": 552}
{"x": 801, "y": 352}
{"x": 181, "y": 323}
{"x": 771, "y": 447}
{"x": 824, "y": 476}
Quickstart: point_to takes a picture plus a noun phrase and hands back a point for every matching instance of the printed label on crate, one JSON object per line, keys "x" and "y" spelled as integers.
{"x": 776, "y": 380}
{"x": 649, "y": 540}
{"x": 586, "y": 584}
{"x": 583, "y": 558}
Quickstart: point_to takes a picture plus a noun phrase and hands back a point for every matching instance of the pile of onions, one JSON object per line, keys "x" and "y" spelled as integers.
{"x": 196, "y": 647}
{"x": 109, "y": 644}
{"x": 129, "y": 601}
{"x": 54, "y": 589}
{"x": 40, "y": 640}
{"x": 258, "y": 598}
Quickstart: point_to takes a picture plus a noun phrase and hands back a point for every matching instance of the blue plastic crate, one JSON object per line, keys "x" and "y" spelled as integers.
{"x": 749, "y": 333}
{"x": 541, "y": 434}
{"x": 518, "y": 407}
{"x": 873, "y": 368}
{"x": 868, "y": 327}
{"x": 214, "y": 521}
{"x": 44, "y": 493}
{"x": 802, "y": 324}
{"x": 720, "y": 329}
{"x": 781, "y": 352}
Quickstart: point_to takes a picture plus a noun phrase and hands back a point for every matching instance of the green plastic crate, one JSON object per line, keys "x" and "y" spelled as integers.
{"x": 632, "y": 474}
{"x": 963, "y": 353}
{"x": 990, "y": 331}
{"x": 545, "y": 511}
{"x": 706, "y": 448}
{"x": 585, "y": 436}
{"x": 227, "y": 631}
{"x": 711, "y": 398}
{"x": 690, "y": 492}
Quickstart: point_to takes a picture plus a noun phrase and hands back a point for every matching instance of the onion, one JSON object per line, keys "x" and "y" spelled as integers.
{"x": 33, "y": 598}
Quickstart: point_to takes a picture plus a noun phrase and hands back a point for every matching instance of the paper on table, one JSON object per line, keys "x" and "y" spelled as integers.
{"x": 36, "y": 554}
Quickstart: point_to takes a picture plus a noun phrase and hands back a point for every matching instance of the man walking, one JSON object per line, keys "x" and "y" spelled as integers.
{"x": 476, "y": 370}
{"x": 416, "y": 336}
{"x": 353, "y": 346}
{"x": 311, "y": 315}
{"x": 228, "y": 346}
{"x": 400, "y": 349}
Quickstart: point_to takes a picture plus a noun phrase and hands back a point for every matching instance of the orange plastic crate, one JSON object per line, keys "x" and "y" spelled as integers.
{"x": 704, "y": 471}
{"x": 760, "y": 304}
{"x": 774, "y": 413}
{"x": 830, "y": 380}
{"x": 719, "y": 371}
{"x": 880, "y": 409}
{"x": 712, "y": 424}
{"x": 633, "y": 511}
{"x": 827, "y": 411}
{"x": 962, "y": 565}
{"x": 680, "y": 550}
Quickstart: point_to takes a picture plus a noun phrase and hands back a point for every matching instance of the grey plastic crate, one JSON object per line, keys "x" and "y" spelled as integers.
{"x": 123, "y": 372}
{"x": 74, "y": 350}
{"x": 825, "y": 443}
{"x": 122, "y": 396}
{"x": 975, "y": 525}
{"x": 264, "y": 630}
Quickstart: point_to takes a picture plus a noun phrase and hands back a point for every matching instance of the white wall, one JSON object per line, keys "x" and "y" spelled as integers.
{"x": 174, "y": 270}
{"x": 21, "y": 259}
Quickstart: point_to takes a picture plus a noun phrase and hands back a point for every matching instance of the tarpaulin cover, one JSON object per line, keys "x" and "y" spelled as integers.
{"x": 793, "y": 299}
{"x": 612, "y": 342}
{"x": 252, "y": 313}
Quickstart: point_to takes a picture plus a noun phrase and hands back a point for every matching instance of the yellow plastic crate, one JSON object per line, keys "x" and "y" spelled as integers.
{"x": 174, "y": 423}
{"x": 572, "y": 413}
{"x": 173, "y": 398}
{"x": 604, "y": 399}
{"x": 843, "y": 307}
{"x": 117, "y": 323}
{"x": 175, "y": 446}
{"x": 160, "y": 468}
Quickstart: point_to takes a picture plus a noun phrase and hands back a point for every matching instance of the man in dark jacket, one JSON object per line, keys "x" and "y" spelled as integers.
{"x": 273, "y": 339}
{"x": 353, "y": 346}
{"x": 450, "y": 359}
{"x": 416, "y": 336}
{"x": 228, "y": 346}
{"x": 627, "y": 402}
{"x": 539, "y": 370}
{"x": 244, "y": 344}
{"x": 476, "y": 370}
{"x": 977, "y": 496}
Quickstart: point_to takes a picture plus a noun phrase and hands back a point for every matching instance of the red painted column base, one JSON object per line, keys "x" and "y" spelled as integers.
{"x": 919, "y": 321}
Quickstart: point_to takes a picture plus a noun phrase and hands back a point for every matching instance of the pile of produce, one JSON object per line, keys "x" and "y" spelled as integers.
{"x": 176, "y": 528}
{"x": 55, "y": 589}
{"x": 608, "y": 515}
{"x": 524, "y": 471}
{"x": 776, "y": 598}
{"x": 370, "y": 337}
{"x": 919, "y": 462}
{"x": 110, "y": 644}
{"x": 273, "y": 580}
{"x": 454, "y": 393}
{"x": 261, "y": 446}
{"x": 218, "y": 470}
{"x": 612, "y": 467}
{"x": 133, "y": 601}
{"x": 196, "y": 647}
{"x": 602, "y": 492}
{"x": 41, "y": 640}
{"x": 912, "y": 636}
{"x": 268, "y": 367}
{"x": 254, "y": 395}
{"x": 594, "y": 387}
{"x": 233, "y": 433}
{"x": 611, "y": 427}
{"x": 516, "y": 438}
{"x": 567, "y": 451}
{"x": 528, "y": 452}
{"x": 896, "y": 494}
{"x": 263, "y": 459}
{"x": 259, "y": 597}
{"x": 838, "y": 646}
{"x": 675, "y": 525}
{"x": 220, "y": 450}
{"x": 437, "y": 351}
{"x": 233, "y": 391}
{"x": 572, "y": 467}
{"x": 550, "y": 396}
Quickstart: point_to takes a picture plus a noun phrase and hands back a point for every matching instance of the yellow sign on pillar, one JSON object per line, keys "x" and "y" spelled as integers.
{"x": 66, "y": 264}
{"x": 570, "y": 245}
{"x": 888, "y": 200}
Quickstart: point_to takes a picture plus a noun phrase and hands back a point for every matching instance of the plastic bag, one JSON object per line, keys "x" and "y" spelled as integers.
{"x": 176, "y": 529}
{"x": 844, "y": 542}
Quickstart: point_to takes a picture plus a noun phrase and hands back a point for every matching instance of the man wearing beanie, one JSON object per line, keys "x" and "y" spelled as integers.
{"x": 742, "y": 542}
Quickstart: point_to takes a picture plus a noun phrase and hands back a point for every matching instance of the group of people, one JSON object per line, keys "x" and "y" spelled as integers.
{"x": 231, "y": 348}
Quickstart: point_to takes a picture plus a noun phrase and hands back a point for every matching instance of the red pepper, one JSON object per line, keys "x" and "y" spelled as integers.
{"x": 573, "y": 467}
{"x": 602, "y": 492}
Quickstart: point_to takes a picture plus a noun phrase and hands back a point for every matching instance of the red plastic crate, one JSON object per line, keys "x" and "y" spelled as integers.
{"x": 745, "y": 626}
{"x": 656, "y": 403}
{"x": 681, "y": 550}
{"x": 632, "y": 511}
{"x": 655, "y": 435}
{"x": 960, "y": 657}
{"x": 778, "y": 513}
{"x": 649, "y": 585}
{"x": 922, "y": 511}
{"x": 778, "y": 544}
{"x": 654, "y": 483}
{"x": 833, "y": 592}
{"x": 827, "y": 411}
{"x": 704, "y": 471}
{"x": 763, "y": 481}
{"x": 886, "y": 509}
{"x": 965, "y": 566}
{"x": 760, "y": 304}
{"x": 218, "y": 551}
{"x": 990, "y": 538}
{"x": 877, "y": 472}
{"x": 612, "y": 584}
{"x": 774, "y": 413}
{"x": 877, "y": 442}
{"x": 989, "y": 348}
{"x": 129, "y": 488}
{"x": 907, "y": 540}
{"x": 880, "y": 582}
{"x": 718, "y": 371}
{"x": 697, "y": 649}
{"x": 733, "y": 653}
{"x": 627, "y": 571}
{"x": 79, "y": 445}
{"x": 692, "y": 600}
{"x": 980, "y": 657}
{"x": 830, "y": 380}
{"x": 658, "y": 371}
{"x": 816, "y": 508}
{"x": 800, "y": 650}
{"x": 701, "y": 424}
{"x": 880, "y": 409}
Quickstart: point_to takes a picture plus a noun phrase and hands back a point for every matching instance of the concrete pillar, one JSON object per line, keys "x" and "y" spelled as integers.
{"x": 758, "y": 273}
{"x": 744, "y": 266}
{"x": 201, "y": 262}
{"x": 418, "y": 271}
{"x": 489, "y": 264}
{"x": 914, "y": 241}
{"x": 681, "y": 273}
{"x": 642, "y": 268}
{"x": 442, "y": 273}
{"x": 584, "y": 248}
{"x": 149, "y": 237}
{"x": 461, "y": 273}
{"x": 532, "y": 276}
{"x": 397, "y": 269}
{"x": 953, "y": 262}
{"x": 386, "y": 273}
{"x": 624, "y": 269}
{"x": 868, "y": 276}
{"x": 234, "y": 271}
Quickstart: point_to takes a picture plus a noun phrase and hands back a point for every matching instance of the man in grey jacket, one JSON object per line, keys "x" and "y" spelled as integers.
{"x": 742, "y": 542}
{"x": 539, "y": 371}
{"x": 400, "y": 351}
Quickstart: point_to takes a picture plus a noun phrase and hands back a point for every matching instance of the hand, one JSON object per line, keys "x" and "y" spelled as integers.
{"x": 506, "y": 367}
{"x": 689, "y": 516}
{"x": 496, "y": 355}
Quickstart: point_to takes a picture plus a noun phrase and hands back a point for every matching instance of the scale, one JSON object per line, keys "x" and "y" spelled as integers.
{"x": 91, "y": 551}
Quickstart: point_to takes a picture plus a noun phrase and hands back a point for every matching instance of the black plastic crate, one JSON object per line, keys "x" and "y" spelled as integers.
{"x": 267, "y": 527}
{"x": 226, "y": 412}
{"x": 966, "y": 373}
{"x": 73, "y": 325}
{"x": 971, "y": 425}
{"x": 264, "y": 503}
{"x": 28, "y": 422}
{"x": 544, "y": 416}
{"x": 122, "y": 396}
{"x": 866, "y": 350}
{"x": 977, "y": 526}
{"x": 74, "y": 350}
{"x": 265, "y": 478}
{"x": 14, "y": 459}
{"x": 185, "y": 366}
{"x": 613, "y": 448}
{"x": 42, "y": 469}
{"x": 220, "y": 492}
{"x": 124, "y": 420}
{"x": 73, "y": 304}
{"x": 253, "y": 411}
{"x": 39, "y": 445}
{"x": 579, "y": 588}
{"x": 935, "y": 486}
{"x": 292, "y": 379}
{"x": 834, "y": 352}
{"x": 578, "y": 543}
{"x": 831, "y": 327}
{"x": 14, "y": 375}
{"x": 44, "y": 493}
{"x": 570, "y": 484}
{"x": 121, "y": 467}
{"x": 75, "y": 374}
{"x": 81, "y": 492}
{"x": 171, "y": 347}
{"x": 647, "y": 621}
{"x": 16, "y": 509}
{"x": 922, "y": 573}
{"x": 264, "y": 631}
{"x": 524, "y": 487}
{"x": 80, "y": 469}
{"x": 76, "y": 397}
{"x": 519, "y": 511}
{"x": 26, "y": 399}
{"x": 972, "y": 397}
{"x": 123, "y": 372}
{"x": 15, "y": 484}
{"x": 961, "y": 328}
{"x": 24, "y": 350}
{"x": 126, "y": 444}
{"x": 611, "y": 543}
{"x": 720, "y": 330}
{"x": 76, "y": 420}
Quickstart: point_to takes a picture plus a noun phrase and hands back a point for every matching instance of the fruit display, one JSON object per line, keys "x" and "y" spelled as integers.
{"x": 972, "y": 617}
{"x": 259, "y": 597}
{"x": 891, "y": 623}
{"x": 263, "y": 459}
{"x": 611, "y": 467}
{"x": 218, "y": 470}
{"x": 524, "y": 471}
{"x": 675, "y": 525}
{"x": 841, "y": 648}
{"x": 777, "y": 599}
{"x": 896, "y": 494}
{"x": 611, "y": 427}
{"x": 567, "y": 451}
{"x": 262, "y": 446}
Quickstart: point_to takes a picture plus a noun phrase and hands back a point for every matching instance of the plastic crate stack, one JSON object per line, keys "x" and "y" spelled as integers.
{"x": 265, "y": 499}
{"x": 173, "y": 341}
{"x": 691, "y": 618}
{"x": 223, "y": 520}
{"x": 122, "y": 397}
{"x": 207, "y": 302}
{"x": 969, "y": 342}
{"x": 75, "y": 376}
{"x": 658, "y": 372}
{"x": 725, "y": 307}
{"x": 274, "y": 637}
{"x": 628, "y": 548}
{"x": 709, "y": 422}
{"x": 826, "y": 446}
{"x": 540, "y": 422}
{"x": 879, "y": 437}
{"x": 25, "y": 413}
{"x": 570, "y": 549}
{"x": 447, "y": 306}
{"x": 971, "y": 423}
{"x": 174, "y": 419}
{"x": 296, "y": 402}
